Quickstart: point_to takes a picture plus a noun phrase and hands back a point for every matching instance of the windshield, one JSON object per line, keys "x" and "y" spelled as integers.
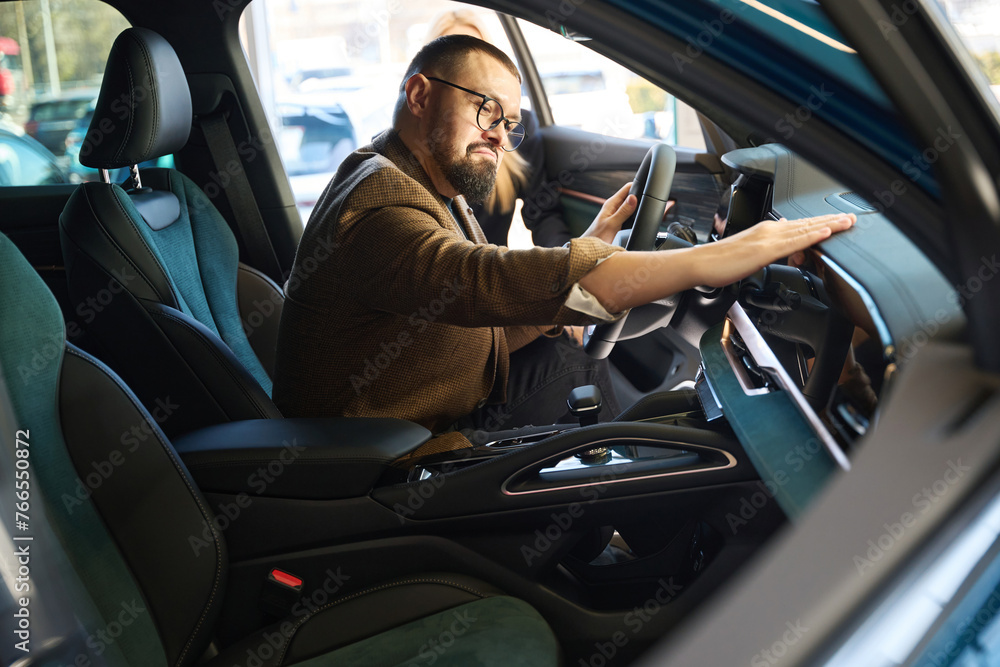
{"x": 977, "y": 23}
{"x": 783, "y": 44}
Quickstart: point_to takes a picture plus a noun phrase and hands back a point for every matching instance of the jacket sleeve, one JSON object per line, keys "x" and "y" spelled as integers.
{"x": 400, "y": 259}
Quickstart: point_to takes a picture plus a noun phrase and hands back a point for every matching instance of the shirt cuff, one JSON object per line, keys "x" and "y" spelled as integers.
{"x": 584, "y": 302}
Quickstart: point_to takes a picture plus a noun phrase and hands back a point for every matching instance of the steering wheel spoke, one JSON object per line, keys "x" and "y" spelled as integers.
{"x": 652, "y": 188}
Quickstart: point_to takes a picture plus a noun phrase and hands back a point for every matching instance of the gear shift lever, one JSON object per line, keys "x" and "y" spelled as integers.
{"x": 585, "y": 404}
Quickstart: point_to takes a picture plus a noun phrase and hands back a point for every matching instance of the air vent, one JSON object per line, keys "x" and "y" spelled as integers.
{"x": 850, "y": 202}
{"x": 857, "y": 200}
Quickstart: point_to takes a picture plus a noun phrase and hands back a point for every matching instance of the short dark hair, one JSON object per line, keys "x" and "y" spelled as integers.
{"x": 447, "y": 54}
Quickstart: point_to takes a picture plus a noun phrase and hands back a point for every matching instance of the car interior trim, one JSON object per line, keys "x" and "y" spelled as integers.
{"x": 730, "y": 462}
{"x": 767, "y": 360}
{"x": 885, "y": 338}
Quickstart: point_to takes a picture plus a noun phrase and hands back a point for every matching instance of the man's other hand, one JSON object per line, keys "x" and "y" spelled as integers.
{"x": 615, "y": 211}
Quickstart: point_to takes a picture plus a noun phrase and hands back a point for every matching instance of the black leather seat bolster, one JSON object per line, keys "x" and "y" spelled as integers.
{"x": 213, "y": 363}
{"x": 300, "y": 458}
{"x": 260, "y": 301}
{"x": 355, "y": 617}
{"x": 95, "y": 225}
{"x": 118, "y": 449}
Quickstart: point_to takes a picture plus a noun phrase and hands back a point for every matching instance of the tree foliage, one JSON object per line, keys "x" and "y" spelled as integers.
{"x": 84, "y": 31}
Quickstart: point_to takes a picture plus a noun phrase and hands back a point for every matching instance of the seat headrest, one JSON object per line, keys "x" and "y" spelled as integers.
{"x": 144, "y": 109}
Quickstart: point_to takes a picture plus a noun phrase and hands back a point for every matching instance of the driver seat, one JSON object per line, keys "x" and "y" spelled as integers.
{"x": 154, "y": 270}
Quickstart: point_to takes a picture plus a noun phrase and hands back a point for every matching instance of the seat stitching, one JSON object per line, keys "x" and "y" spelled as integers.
{"x": 222, "y": 361}
{"x": 152, "y": 94}
{"x": 270, "y": 283}
{"x": 145, "y": 245}
{"x": 131, "y": 93}
{"x": 291, "y": 636}
{"x": 180, "y": 469}
{"x": 117, "y": 248}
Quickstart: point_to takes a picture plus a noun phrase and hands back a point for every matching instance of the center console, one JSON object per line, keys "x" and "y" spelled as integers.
{"x": 586, "y": 522}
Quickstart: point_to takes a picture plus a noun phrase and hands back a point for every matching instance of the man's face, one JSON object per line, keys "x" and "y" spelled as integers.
{"x": 467, "y": 155}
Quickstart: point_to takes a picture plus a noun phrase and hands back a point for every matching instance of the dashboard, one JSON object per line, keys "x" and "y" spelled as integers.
{"x": 807, "y": 353}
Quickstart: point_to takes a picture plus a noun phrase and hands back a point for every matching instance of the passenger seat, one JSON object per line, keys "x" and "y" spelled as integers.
{"x": 156, "y": 268}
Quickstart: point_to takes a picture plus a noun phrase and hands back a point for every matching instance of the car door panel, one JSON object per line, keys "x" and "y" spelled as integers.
{"x": 587, "y": 168}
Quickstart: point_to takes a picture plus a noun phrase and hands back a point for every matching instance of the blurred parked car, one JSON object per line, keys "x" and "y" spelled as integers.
{"x": 24, "y": 161}
{"x": 316, "y": 136}
{"x": 53, "y": 119}
{"x": 79, "y": 173}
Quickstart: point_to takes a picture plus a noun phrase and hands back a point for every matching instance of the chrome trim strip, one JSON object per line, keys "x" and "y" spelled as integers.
{"x": 738, "y": 370}
{"x": 532, "y": 438}
{"x": 765, "y": 358}
{"x": 730, "y": 463}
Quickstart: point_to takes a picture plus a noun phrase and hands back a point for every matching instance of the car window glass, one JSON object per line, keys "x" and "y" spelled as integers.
{"x": 587, "y": 91}
{"x": 51, "y": 66}
{"x": 329, "y": 79}
{"x": 22, "y": 164}
{"x": 977, "y": 22}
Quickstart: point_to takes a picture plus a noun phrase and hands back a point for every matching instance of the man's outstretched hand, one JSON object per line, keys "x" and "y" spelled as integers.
{"x": 742, "y": 254}
{"x": 629, "y": 279}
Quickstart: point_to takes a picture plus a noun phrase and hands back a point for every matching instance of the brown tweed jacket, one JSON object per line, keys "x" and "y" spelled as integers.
{"x": 392, "y": 311}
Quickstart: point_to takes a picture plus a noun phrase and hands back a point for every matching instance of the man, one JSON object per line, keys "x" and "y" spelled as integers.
{"x": 397, "y": 307}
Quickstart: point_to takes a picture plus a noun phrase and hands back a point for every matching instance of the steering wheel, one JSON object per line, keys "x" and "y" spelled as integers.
{"x": 652, "y": 188}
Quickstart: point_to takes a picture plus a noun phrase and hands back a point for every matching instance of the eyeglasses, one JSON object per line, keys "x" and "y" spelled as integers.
{"x": 490, "y": 115}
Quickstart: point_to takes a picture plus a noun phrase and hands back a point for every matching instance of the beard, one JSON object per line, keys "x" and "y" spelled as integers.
{"x": 472, "y": 177}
